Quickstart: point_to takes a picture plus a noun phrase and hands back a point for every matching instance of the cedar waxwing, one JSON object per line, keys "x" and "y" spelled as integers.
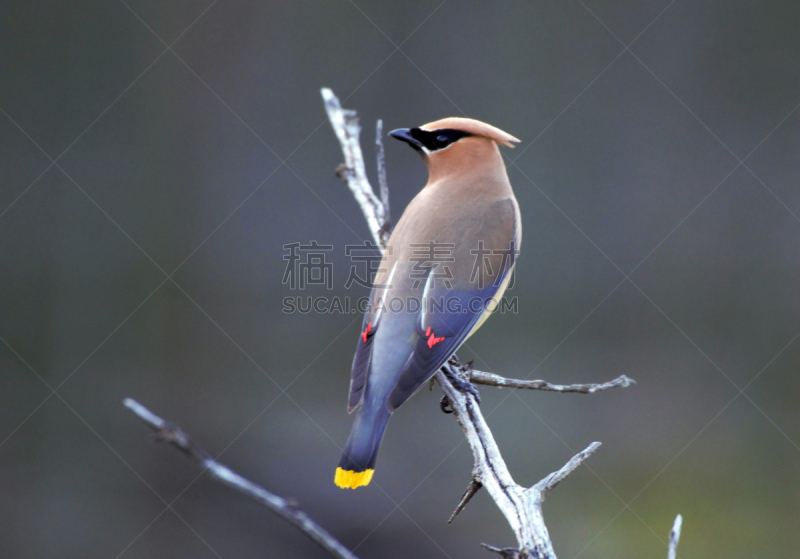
{"x": 446, "y": 265}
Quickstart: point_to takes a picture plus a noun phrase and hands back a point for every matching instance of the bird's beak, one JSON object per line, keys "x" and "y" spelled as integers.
{"x": 404, "y": 134}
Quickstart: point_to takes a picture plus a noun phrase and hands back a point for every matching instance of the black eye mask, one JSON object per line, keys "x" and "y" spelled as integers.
{"x": 437, "y": 139}
{"x": 428, "y": 140}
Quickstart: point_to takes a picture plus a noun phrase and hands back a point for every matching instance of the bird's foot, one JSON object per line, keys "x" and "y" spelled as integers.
{"x": 463, "y": 386}
{"x": 445, "y": 404}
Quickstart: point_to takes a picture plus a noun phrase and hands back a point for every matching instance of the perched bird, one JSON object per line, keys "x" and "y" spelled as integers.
{"x": 447, "y": 263}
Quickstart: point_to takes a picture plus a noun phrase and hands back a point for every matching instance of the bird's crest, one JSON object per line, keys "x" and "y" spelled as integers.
{"x": 474, "y": 127}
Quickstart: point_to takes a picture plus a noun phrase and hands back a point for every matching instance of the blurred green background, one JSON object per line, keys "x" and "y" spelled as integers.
{"x": 156, "y": 157}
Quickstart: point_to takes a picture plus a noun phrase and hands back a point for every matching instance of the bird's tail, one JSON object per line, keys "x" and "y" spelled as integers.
{"x": 361, "y": 451}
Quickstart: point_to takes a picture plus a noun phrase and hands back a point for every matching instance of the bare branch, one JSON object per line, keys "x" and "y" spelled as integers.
{"x": 522, "y": 508}
{"x": 168, "y": 432}
{"x": 491, "y": 379}
{"x": 674, "y": 538}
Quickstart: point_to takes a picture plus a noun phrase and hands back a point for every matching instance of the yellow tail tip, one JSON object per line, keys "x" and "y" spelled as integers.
{"x": 346, "y": 478}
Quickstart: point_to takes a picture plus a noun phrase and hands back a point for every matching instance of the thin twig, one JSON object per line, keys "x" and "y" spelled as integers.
{"x": 491, "y": 379}
{"x": 505, "y": 553}
{"x": 674, "y": 538}
{"x": 168, "y": 432}
{"x": 555, "y": 478}
{"x": 469, "y": 493}
{"x": 382, "y": 180}
{"x": 345, "y": 124}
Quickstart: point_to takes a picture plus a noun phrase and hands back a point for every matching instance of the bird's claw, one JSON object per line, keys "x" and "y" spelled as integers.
{"x": 463, "y": 386}
{"x": 468, "y": 387}
{"x": 444, "y": 403}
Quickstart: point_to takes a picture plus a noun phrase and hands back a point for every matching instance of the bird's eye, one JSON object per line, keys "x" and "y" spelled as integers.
{"x": 441, "y": 139}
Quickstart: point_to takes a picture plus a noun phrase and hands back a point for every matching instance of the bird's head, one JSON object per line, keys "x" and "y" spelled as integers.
{"x": 455, "y": 143}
